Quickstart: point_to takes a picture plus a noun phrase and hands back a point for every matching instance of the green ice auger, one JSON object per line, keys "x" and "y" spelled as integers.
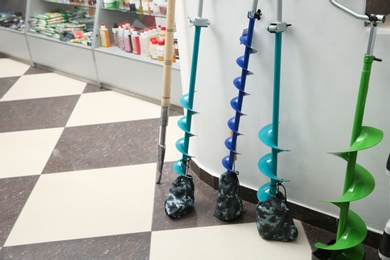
{"x": 359, "y": 183}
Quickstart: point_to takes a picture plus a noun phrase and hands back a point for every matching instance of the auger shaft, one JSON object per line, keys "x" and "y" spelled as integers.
{"x": 356, "y": 129}
{"x": 276, "y": 101}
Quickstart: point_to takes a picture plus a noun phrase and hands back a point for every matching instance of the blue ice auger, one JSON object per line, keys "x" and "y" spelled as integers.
{"x": 229, "y": 204}
{"x": 239, "y": 83}
{"x": 269, "y": 134}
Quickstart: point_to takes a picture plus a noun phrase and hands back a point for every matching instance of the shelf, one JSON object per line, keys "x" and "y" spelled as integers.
{"x": 48, "y": 38}
{"x": 120, "y": 53}
{"x": 70, "y": 3}
{"x": 11, "y": 30}
{"x": 62, "y": 56}
{"x": 111, "y": 67}
{"x": 134, "y": 12}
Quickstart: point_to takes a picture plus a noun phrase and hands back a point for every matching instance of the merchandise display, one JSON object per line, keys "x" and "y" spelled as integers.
{"x": 12, "y": 20}
{"x": 147, "y": 42}
{"x": 151, "y": 7}
{"x": 73, "y": 25}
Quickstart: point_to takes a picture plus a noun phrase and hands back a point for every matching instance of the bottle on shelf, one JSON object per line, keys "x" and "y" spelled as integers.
{"x": 115, "y": 34}
{"x": 104, "y": 36}
{"x": 120, "y": 37}
{"x": 112, "y": 4}
{"x": 161, "y": 34}
{"x": 160, "y": 50}
{"x": 153, "y": 43}
{"x": 126, "y": 39}
{"x": 144, "y": 41}
{"x": 135, "y": 42}
{"x": 145, "y": 6}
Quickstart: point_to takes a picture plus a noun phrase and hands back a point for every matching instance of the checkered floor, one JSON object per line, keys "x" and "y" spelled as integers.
{"x": 77, "y": 180}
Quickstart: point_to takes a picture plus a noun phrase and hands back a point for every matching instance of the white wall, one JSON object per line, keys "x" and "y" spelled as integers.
{"x": 322, "y": 58}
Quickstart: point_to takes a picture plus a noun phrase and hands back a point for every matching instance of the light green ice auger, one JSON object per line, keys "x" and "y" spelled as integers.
{"x": 359, "y": 183}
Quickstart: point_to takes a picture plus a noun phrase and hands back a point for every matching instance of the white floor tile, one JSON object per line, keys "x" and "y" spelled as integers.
{"x": 110, "y": 106}
{"x": 26, "y": 152}
{"x": 228, "y": 242}
{"x": 44, "y": 85}
{"x": 12, "y": 68}
{"x": 91, "y": 203}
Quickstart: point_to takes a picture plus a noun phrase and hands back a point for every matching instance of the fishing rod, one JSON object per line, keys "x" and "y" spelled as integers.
{"x": 358, "y": 183}
{"x": 166, "y": 87}
{"x": 228, "y": 182}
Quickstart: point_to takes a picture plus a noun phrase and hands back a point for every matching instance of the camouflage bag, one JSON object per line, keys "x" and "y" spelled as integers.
{"x": 181, "y": 198}
{"x": 229, "y": 204}
{"x": 274, "y": 220}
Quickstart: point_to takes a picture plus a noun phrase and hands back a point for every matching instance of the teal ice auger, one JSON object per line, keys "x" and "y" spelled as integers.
{"x": 187, "y": 100}
{"x": 273, "y": 218}
{"x": 229, "y": 204}
{"x": 359, "y": 183}
{"x": 181, "y": 197}
{"x": 269, "y": 134}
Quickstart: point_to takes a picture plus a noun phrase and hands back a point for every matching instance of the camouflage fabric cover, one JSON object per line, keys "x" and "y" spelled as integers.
{"x": 229, "y": 204}
{"x": 181, "y": 198}
{"x": 274, "y": 220}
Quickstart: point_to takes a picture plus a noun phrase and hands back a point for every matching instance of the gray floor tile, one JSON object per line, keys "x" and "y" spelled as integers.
{"x": 129, "y": 246}
{"x": 105, "y": 145}
{"x": 14, "y": 193}
{"x": 36, "y": 113}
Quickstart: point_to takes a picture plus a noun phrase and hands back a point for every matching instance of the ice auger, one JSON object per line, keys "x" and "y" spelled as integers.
{"x": 239, "y": 83}
{"x": 269, "y": 134}
{"x": 181, "y": 196}
{"x": 229, "y": 204}
{"x": 359, "y": 183}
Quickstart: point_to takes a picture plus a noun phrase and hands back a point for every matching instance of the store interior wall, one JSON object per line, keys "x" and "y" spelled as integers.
{"x": 322, "y": 59}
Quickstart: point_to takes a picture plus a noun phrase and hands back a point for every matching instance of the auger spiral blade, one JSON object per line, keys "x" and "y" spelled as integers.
{"x": 178, "y": 167}
{"x": 242, "y": 62}
{"x": 267, "y": 137}
{"x": 236, "y": 102}
{"x": 353, "y": 235}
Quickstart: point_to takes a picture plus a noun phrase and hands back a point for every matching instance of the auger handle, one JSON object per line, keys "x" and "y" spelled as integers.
{"x": 366, "y": 17}
{"x": 200, "y": 8}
